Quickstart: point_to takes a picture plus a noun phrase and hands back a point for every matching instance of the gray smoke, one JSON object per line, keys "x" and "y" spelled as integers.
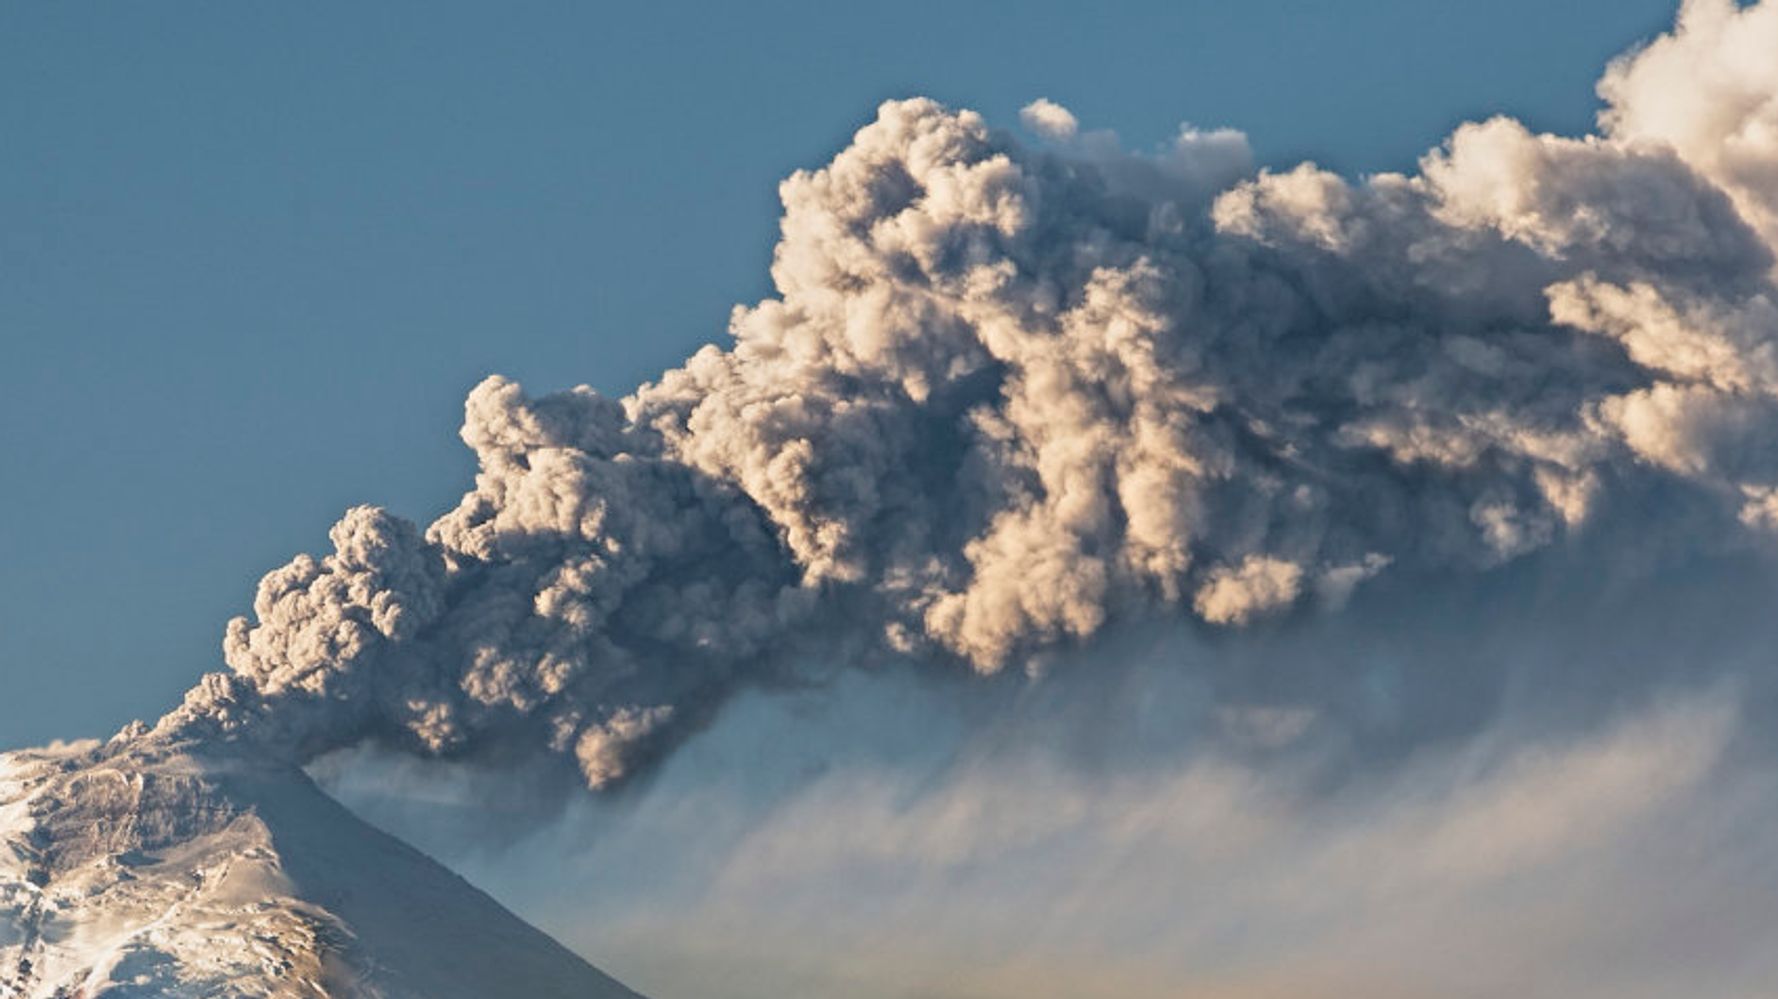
{"x": 1009, "y": 395}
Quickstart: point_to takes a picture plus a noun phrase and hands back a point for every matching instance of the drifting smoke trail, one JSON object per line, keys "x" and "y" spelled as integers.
{"x": 1006, "y": 396}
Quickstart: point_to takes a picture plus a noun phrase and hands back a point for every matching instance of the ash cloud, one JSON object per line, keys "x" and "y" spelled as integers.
{"x": 1009, "y": 395}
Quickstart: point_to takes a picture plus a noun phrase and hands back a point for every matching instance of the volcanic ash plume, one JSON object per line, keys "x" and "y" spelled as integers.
{"x": 1007, "y": 395}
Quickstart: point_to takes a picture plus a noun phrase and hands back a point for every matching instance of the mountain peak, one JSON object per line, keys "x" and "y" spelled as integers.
{"x": 149, "y": 867}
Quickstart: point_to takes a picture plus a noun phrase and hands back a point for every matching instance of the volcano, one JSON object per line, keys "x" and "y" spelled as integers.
{"x": 149, "y": 867}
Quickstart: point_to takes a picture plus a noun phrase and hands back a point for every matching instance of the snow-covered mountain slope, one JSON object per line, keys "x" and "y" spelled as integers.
{"x": 138, "y": 868}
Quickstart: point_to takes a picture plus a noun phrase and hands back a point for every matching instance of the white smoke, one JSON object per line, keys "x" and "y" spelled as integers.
{"x": 1580, "y": 857}
{"x": 1154, "y": 820}
{"x": 1006, "y": 397}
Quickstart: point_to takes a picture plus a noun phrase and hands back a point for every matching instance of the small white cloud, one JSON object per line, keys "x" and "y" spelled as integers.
{"x": 1049, "y": 119}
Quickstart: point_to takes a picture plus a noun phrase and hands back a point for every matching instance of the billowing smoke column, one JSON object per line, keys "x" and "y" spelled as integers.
{"x": 1006, "y": 396}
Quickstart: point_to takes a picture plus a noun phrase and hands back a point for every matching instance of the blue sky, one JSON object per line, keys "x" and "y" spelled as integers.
{"x": 252, "y": 255}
